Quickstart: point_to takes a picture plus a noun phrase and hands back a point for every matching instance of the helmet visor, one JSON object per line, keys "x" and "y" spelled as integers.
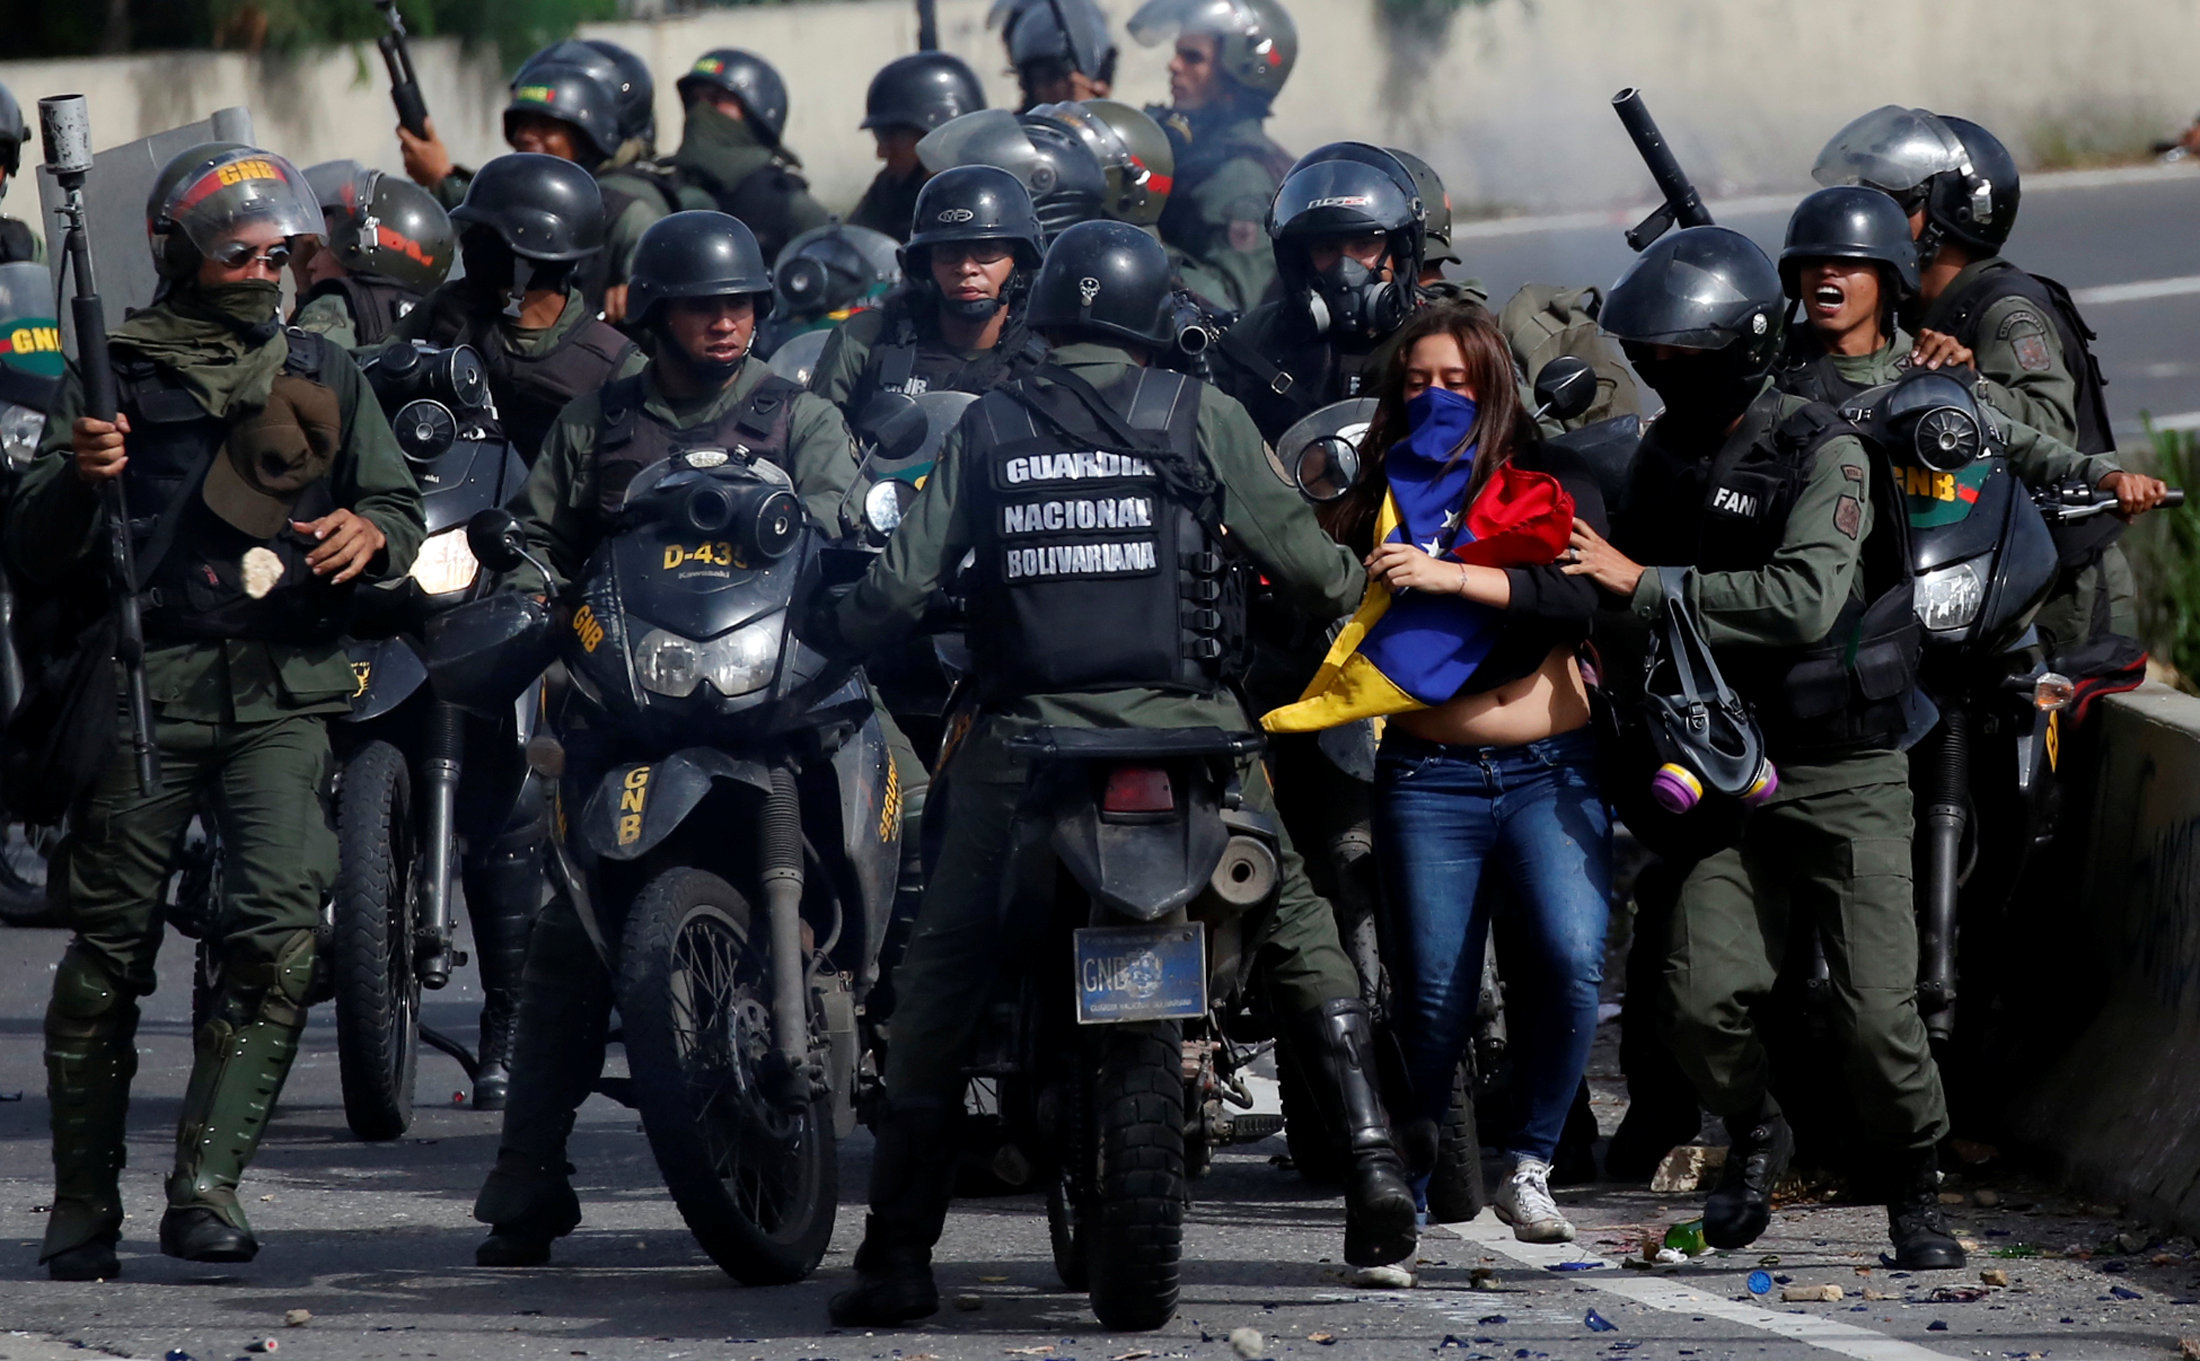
{"x": 246, "y": 196}
{"x": 1891, "y": 149}
{"x": 1336, "y": 198}
{"x": 986, "y": 137}
{"x": 1686, "y": 296}
{"x": 1157, "y": 21}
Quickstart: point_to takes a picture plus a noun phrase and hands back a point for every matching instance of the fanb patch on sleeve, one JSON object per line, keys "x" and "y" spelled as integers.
{"x": 1848, "y": 516}
{"x": 2032, "y": 353}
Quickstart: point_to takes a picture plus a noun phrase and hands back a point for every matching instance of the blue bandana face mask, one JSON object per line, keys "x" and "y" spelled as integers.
{"x": 1437, "y": 424}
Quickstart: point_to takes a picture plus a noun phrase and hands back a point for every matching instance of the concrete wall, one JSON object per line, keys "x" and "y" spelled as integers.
{"x": 1509, "y": 104}
{"x": 2120, "y": 1108}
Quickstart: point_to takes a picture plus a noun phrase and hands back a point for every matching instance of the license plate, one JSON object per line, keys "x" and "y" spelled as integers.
{"x": 1140, "y": 973}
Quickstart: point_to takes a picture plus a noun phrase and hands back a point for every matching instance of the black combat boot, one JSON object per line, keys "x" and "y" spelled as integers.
{"x": 1337, "y": 1045}
{"x": 504, "y": 888}
{"x": 1914, "y": 1218}
{"x": 1740, "y": 1209}
{"x": 912, "y": 1178}
{"x": 528, "y": 1204}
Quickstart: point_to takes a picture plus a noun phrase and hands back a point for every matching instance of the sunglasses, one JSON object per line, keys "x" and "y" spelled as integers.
{"x": 238, "y": 254}
{"x": 978, "y": 252}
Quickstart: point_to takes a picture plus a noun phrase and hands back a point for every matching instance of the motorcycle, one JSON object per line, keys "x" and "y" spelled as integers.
{"x": 417, "y": 779}
{"x": 733, "y": 828}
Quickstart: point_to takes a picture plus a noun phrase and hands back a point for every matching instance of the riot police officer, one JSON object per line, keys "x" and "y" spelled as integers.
{"x": 1103, "y": 299}
{"x": 1059, "y": 172}
{"x": 1060, "y": 49}
{"x": 732, "y": 148}
{"x": 389, "y": 245}
{"x": 17, "y": 241}
{"x": 570, "y": 110}
{"x": 908, "y": 98}
{"x": 1960, "y": 188}
{"x": 1782, "y": 531}
{"x": 266, "y": 487}
{"x": 1348, "y": 228}
{"x": 1231, "y": 59}
{"x": 700, "y": 286}
{"x": 528, "y": 221}
{"x": 955, "y": 323}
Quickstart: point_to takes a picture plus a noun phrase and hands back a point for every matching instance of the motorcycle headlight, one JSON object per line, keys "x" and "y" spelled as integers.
{"x": 734, "y": 664}
{"x": 20, "y": 429}
{"x": 1949, "y": 598}
{"x": 446, "y": 563}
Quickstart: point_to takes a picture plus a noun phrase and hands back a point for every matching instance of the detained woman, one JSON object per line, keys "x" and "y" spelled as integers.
{"x": 1487, "y": 765}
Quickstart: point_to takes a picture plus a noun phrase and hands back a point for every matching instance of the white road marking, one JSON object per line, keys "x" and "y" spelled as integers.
{"x": 2143, "y": 290}
{"x": 1674, "y": 1297}
{"x": 1785, "y": 203}
{"x": 2183, "y": 420}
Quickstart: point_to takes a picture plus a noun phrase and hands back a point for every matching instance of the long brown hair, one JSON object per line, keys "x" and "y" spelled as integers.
{"x": 1501, "y": 423}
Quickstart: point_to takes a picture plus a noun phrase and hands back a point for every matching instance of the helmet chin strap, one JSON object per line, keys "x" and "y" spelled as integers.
{"x": 972, "y": 309}
{"x": 523, "y": 273}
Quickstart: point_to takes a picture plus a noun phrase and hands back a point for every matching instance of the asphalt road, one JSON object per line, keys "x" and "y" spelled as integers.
{"x": 376, "y": 1241}
{"x": 2126, "y": 241}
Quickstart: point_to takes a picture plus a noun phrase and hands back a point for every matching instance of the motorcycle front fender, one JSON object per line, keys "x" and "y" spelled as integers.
{"x": 385, "y": 673}
{"x": 638, "y": 805}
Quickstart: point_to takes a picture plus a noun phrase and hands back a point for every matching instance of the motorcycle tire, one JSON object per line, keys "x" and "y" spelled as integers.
{"x": 23, "y": 851}
{"x": 1456, "y": 1191}
{"x": 1315, "y": 1150}
{"x": 757, "y": 1184}
{"x": 377, "y": 989}
{"x": 1069, "y": 1195}
{"x": 1134, "y": 1261}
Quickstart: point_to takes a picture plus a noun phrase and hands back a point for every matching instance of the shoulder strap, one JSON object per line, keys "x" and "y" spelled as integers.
{"x": 768, "y": 406}
{"x": 1800, "y": 435}
{"x": 621, "y": 399}
{"x": 1957, "y": 311}
{"x": 1174, "y": 456}
{"x": 308, "y": 355}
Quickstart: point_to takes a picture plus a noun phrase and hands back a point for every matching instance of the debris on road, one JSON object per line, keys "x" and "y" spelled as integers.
{"x": 1687, "y": 1168}
{"x": 1812, "y": 1294}
{"x": 1322, "y": 1339}
{"x": 1248, "y": 1343}
{"x": 1958, "y": 1294}
{"x": 1760, "y": 1283}
{"x": 970, "y": 1303}
{"x": 2188, "y": 1349}
{"x": 265, "y": 1344}
{"x": 1994, "y": 1276}
{"x": 1986, "y": 1197}
{"x": 297, "y": 1318}
{"x": 1687, "y": 1237}
{"x": 1598, "y": 1323}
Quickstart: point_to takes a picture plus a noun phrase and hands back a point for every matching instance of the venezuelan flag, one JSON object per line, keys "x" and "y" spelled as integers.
{"x": 1399, "y": 653}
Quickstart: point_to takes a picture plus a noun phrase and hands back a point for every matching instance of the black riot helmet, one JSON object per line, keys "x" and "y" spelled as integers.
{"x": 921, "y": 91}
{"x": 1436, "y": 201}
{"x": 1061, "y": 174}
{"x": 1047, "y": 40}
{"x": 698, "y": 253}
{"x": 1350, "y": 189}
{"x": 1976, "y": 204}
{"x": 383, "y": 226}
{"x": 14, "y": 132}
{"x": 574, "y": 97}
{"x": 1109, "y": 278}
{"x": 749, "y": 79}
{"x": 1133, "y": 152}
{"x": 971, "y": 203}
{"x": 1706, "y": 289}
{"x": 1850, "y": 222}
{"x": 542, "y": 208}
{"x": 633, "y": 91}
{"x": 834, "y": 268}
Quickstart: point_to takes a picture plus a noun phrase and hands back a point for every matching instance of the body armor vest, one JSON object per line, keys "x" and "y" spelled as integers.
{"x": 190, "y": 560}
{"x": 1958, "y": 314}
{"x": 593, "y": 274}
{"x": 375, "y": 304}
{"x": 1281, "y": 378}
{"x": 531, "y": 389}
{"x": 1099, "y": 558}
{"x": 629, "y": 438}
{"x": 910, "y": 362}
{"x": 1845, "y": 691}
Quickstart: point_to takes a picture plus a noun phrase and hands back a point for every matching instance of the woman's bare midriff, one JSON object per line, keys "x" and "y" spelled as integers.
{"x": 1550, "y": 702}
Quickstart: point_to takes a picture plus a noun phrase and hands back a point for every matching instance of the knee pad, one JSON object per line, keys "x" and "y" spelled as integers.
{"x": 275, "y": 990}
{"x": 88, "y": 1001}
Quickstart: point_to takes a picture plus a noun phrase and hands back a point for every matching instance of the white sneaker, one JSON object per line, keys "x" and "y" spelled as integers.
{"x": 1524, "y": 1201}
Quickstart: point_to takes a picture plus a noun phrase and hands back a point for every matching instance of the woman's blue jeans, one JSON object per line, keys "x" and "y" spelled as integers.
{"x": 1447, "y": 819}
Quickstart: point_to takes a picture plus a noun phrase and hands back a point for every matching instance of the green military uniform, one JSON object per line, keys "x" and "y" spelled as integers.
{"x": 1832, "y": 846}
{"x": 566, "y": 994}
{"x": 241, "y": 731}
{"x": 2020, "y": 353}
{"x": 838, "y": 377}
{"x": 1227, "y": 173}
{"x": 889, "y": 203}
{"x": 956, "y": 940}
{"x": 759, "y": 184}
{"x": 329, "y": 316}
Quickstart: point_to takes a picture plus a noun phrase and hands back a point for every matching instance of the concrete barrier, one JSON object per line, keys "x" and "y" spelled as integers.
{"x": 2120, "y": 1108}
{"x": 1508, "y": 101}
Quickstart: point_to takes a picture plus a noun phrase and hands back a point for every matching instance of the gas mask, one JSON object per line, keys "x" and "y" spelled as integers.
{"x": 1349, "y": 301}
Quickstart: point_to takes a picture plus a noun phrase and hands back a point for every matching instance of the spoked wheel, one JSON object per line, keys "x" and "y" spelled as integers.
{"x": 23, "y": 851}
{"x": 757, "y": 1182}
{"x": 377, "y": 991}
{"x": 1138, "y": 1203}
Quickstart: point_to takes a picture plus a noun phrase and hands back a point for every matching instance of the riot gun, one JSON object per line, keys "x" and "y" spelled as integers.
{"x": 412, "y": 110}
{"x": 66, "y": 124}
{"x": 1682, "y": 204}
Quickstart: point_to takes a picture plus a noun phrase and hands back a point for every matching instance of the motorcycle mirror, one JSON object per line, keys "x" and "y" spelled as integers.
{"x": 884, "y": 505}
{"x": 892, "y": 424}
{"x": 494, "y": 535}
{"x": 1565, "y": 388}
{"x": 1326, "y": 468}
